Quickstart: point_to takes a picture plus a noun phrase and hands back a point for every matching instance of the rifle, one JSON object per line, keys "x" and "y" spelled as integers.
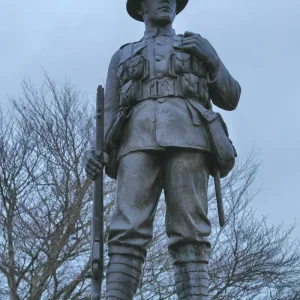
{"x": 97, "y": 217}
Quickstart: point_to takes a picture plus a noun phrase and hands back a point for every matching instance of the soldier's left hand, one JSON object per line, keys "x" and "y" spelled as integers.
{"x": 201, "y": 48}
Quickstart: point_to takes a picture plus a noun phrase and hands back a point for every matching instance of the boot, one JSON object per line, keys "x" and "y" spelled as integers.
{"x": 191, "y": 281}
{"x": 123, "y": 277}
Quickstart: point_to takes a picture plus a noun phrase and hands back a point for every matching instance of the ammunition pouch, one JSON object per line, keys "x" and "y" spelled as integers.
{"x": 191, "y": 86}
{"x": 187, "y": 78}
{"x": 185, "y": 86}
{"x": 180, "y": 63}
{"x": 184, "y": 63}
{"x": 129, "y": 93}
{"x": 135, "y": 68}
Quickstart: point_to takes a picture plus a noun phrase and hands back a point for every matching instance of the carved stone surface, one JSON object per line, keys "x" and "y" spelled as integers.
{"x": 157, "y": 127}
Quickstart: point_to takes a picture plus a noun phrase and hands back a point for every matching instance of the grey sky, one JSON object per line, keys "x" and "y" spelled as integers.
{"x": 258, "y": 40}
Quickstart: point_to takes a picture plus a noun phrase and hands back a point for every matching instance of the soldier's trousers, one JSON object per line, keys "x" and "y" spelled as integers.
{"x": 183, "y": 174}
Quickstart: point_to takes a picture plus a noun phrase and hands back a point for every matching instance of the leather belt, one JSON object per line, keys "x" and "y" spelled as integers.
{"x": 158, "y": 88}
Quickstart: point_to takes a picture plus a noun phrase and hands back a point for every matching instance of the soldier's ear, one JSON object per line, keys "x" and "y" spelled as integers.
{"x": 140, "y": 10}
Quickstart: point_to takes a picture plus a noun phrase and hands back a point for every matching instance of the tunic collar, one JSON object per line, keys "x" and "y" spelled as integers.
{"x": 159, "y": 31}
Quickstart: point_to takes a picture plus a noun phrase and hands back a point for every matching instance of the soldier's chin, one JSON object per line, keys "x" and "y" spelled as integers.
{"x": 164, "y": 19}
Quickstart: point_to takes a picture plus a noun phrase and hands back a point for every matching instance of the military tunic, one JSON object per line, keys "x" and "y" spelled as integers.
{"x": 167, "y": 119}
{"x": 154, "y": 85}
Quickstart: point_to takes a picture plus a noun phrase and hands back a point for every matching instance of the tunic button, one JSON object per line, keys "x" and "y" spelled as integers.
{"x": 160, "y": 75}
{"x": 158, "y": 57}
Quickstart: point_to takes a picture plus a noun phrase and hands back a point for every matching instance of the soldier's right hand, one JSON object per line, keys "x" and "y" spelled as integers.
{"x": 92, "y": 165}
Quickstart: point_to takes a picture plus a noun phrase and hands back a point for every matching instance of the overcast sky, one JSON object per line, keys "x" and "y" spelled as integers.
{"x": 258, "y": 40}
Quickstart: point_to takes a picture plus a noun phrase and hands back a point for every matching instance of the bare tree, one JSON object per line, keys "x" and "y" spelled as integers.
{"x": 44, "y": 194}
{"x": 45, "y": 210}
{"x": 251, "y": 260}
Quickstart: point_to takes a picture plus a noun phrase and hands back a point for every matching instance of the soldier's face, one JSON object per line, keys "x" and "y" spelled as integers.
{"x": 162, "y": 10}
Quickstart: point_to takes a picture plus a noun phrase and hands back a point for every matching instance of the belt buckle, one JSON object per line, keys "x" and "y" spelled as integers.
{"x": 154, "y": 89}
{"x": 162, "y": 88}
{"x": 166, "y": 87}
{"x": 170, "y": 87}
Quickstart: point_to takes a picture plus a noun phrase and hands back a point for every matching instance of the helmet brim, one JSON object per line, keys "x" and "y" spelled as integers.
{"x": 133, "y": 5}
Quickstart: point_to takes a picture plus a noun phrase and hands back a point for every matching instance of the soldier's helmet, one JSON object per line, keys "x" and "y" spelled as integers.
{"x": 132, "y": 7}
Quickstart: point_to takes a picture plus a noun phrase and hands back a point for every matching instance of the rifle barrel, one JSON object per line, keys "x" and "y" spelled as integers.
{"x": 97, "y": 217}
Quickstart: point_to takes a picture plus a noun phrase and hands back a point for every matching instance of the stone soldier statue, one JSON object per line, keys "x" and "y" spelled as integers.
{"x": 156, "y": 137}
